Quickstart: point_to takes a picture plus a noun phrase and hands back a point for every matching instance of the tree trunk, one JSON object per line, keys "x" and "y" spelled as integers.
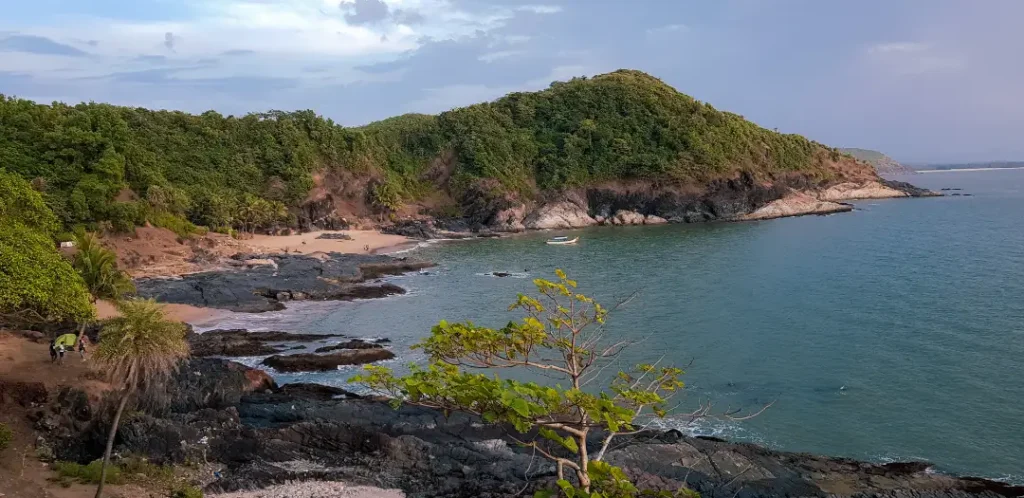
{"x": 110, "y": 444}
{"x": 81, "y": 328}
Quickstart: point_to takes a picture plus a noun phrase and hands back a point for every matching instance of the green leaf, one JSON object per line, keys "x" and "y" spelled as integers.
{"x": 520, "y": 406}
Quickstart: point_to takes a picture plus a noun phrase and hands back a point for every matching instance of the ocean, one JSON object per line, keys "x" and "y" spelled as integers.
{"x": 893, "y": 332}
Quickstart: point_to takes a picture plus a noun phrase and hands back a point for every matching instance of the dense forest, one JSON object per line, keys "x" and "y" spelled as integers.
{"x": 105, "y": 166}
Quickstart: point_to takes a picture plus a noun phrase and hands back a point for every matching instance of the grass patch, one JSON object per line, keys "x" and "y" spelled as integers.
{"x": 6, "y": 436}
{"x": 187, "y": 492}
{"x": 131, "y": 469}
{"x": 87, "y": 474}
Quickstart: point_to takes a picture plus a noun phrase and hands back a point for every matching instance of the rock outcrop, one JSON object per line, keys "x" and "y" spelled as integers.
{"x": 867, "y": 190}
{"x": 241, "y": 342}
{"x": 570, "y": 212}
{"x": 262, "y": 435}
{"x": 265, "y": 286}
{"x": 327, "y": 362}
{"x": 797, "y": 204}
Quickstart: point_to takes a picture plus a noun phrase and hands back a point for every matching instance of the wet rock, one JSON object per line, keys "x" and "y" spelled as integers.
{"x": 326, "y": 362}
{"x": 241, "y": 342}
{"x": 296, "y": 277}
{"x": 909, "y": 189}
{"x": 353, "y": 344}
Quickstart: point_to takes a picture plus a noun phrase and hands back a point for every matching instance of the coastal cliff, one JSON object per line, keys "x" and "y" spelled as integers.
{"x": 739, "y": 199}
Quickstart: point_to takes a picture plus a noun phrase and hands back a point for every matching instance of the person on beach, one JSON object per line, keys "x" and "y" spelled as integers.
{"x": 62, "y": 344}
{"x": 81, "y": 346}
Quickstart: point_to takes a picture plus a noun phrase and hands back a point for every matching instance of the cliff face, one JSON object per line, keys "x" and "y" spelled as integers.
{"x": 737, "y": 199}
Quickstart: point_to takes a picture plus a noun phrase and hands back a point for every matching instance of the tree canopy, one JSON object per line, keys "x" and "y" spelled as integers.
{"x": 124, "y": 166}
{"x": 561, "y": 336}
{"x": 36, "y": 282}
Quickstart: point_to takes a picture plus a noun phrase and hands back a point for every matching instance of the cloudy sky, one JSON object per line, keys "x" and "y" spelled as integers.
{"x": 922, "y": 80}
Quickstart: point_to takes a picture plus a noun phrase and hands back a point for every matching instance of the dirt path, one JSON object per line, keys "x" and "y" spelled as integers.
{"x": 21, "y": 474}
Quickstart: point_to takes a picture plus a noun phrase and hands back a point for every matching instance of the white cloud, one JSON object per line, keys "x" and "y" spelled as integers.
{"x": 898, "y": 47}
{"x": 280, "y": 36}
{"x": 914, "y": 58}
{"x": 501, "y": 54}
{"x": 667, "y": 29}
{"x": 540, "y": 9}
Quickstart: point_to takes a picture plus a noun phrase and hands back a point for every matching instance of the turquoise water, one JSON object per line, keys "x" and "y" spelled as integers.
{"x": 892, "y": 332}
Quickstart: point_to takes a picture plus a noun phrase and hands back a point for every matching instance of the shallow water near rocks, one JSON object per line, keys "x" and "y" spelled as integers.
{"x": 890, "y": 333}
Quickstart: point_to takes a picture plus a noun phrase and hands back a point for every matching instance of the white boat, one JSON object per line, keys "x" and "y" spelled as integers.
{"x": 562, "y": 241}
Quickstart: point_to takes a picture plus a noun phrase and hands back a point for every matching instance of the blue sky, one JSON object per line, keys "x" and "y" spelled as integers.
{"x": 922, "y": 80}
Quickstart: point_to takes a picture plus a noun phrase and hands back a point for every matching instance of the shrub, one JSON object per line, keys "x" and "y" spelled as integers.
{"x": 6, "y": 436}
{"x": 187, "y": 492}
{"x": 87, "y": 474}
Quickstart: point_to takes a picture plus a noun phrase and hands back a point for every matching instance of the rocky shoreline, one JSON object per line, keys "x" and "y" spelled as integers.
{"x": 739, "y": 199}
{"x": 260, "y": 283}
{"x": 259, "y": 434}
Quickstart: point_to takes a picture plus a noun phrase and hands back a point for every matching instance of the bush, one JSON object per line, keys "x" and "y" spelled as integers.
{"x": 187, "y": 492}
{"x": 87, "y": 474}
{"x": 6, "y": 436}
{"x": 180, "y": 226}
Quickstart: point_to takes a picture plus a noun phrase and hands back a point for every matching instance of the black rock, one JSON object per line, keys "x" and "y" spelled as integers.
{"x": 353, "y": 344}
{"x": 326, "y": 362}
{"x": 263, "y": 287}
{"x": 241, "y": 342}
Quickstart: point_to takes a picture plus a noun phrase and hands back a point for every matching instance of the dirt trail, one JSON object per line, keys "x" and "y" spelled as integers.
{"x": 21, "y": 474}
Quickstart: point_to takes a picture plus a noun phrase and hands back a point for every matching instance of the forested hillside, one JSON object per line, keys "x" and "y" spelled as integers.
{"x": 99, "y": 164}
{"x": 883, "y": 164}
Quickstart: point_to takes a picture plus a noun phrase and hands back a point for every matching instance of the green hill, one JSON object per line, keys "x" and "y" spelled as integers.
{"x": 883, "y": 164}
{"x": 105, "y": 165}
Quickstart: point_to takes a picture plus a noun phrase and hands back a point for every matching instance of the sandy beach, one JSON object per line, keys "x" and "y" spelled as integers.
{"x": 363, "y": 241}
{"x": 178, "y": 312}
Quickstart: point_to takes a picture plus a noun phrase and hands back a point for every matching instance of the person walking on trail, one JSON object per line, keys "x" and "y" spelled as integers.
{"x": 82, "y": 343}
{"x": 62, "y": 344}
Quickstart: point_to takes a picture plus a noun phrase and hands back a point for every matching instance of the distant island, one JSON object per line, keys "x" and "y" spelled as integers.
{"x": 883, "y": 164}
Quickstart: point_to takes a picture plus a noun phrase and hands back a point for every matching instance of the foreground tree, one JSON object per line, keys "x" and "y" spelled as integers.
{"x": 97, "y": 266}
{"x": 36, "y": 283}
{"x": 138, "y": 352}
{"x": 560, "y": 336}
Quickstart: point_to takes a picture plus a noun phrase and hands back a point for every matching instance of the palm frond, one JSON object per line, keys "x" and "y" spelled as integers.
{"x": 140, "y": 349}
{"x": 98, "y": 267}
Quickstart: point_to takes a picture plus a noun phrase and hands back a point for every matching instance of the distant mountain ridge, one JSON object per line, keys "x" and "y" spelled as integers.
{"x": 883, "y": 164}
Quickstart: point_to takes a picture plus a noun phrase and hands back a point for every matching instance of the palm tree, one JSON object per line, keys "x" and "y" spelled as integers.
{"x": 138, "y": 351}
{"x": 98, "y": 267}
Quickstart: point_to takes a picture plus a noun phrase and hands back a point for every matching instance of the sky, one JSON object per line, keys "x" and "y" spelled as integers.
{"x": 921, "y": 80}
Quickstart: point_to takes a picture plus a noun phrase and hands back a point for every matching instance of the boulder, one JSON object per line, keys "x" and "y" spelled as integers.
{"x": 326, "y": 362}
{"x": 562, "y": 214}
{"x": 623, "y": 217}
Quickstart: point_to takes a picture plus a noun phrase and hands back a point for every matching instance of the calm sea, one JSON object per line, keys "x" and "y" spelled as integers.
{"x": 892, "y": 332}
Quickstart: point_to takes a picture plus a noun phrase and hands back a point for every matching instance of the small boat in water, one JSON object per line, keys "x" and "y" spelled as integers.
{"x": 562, "y": 241}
